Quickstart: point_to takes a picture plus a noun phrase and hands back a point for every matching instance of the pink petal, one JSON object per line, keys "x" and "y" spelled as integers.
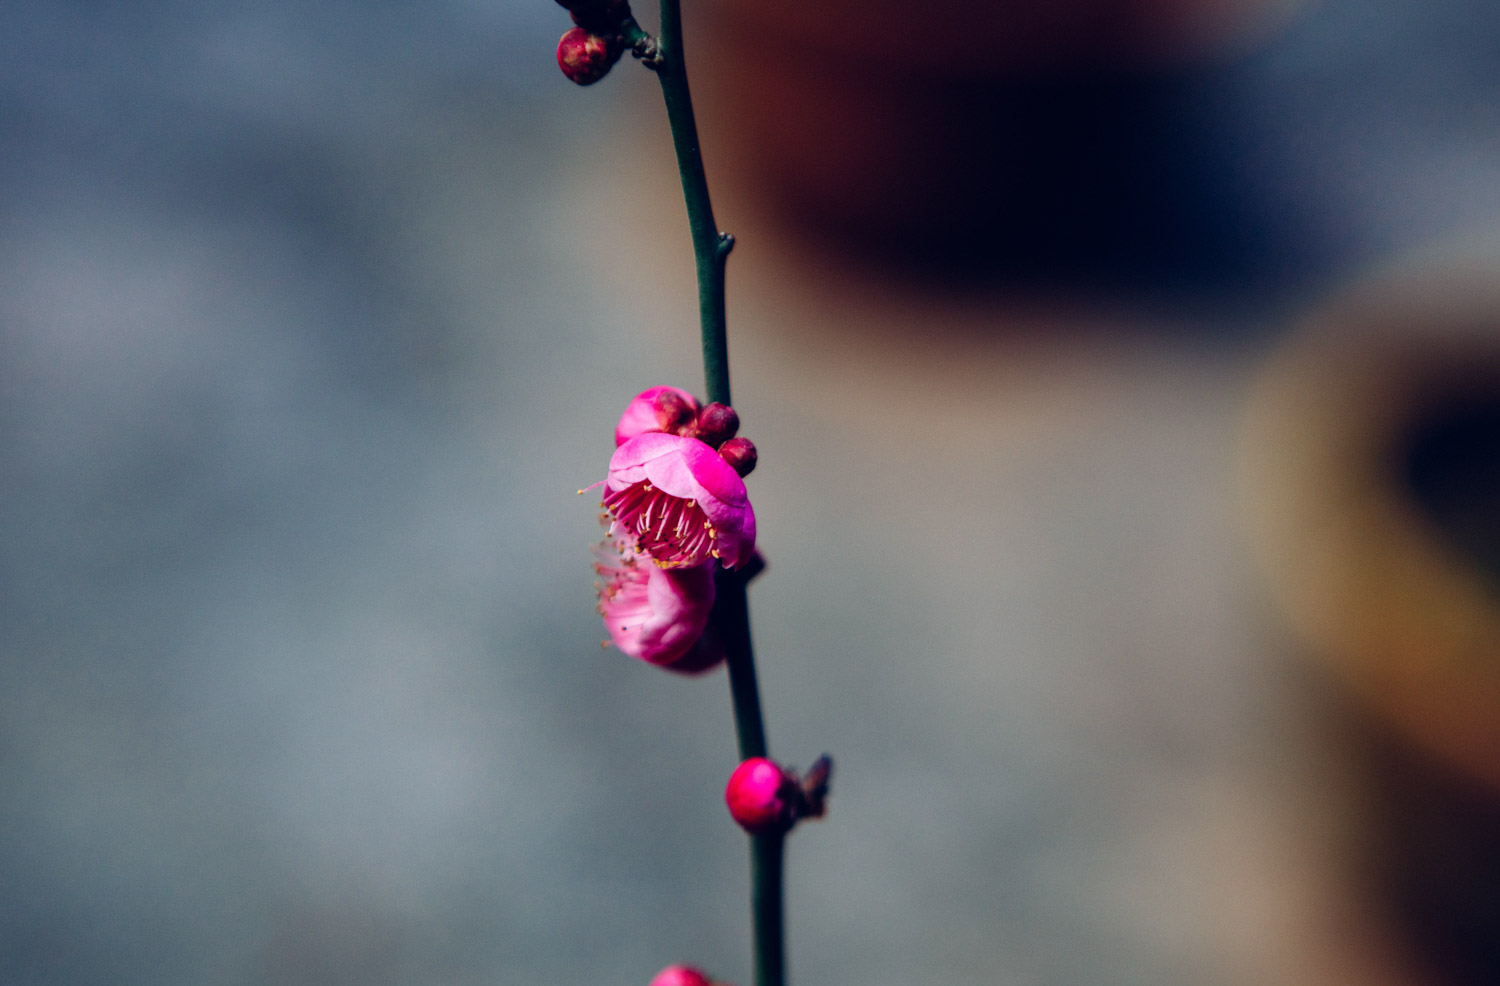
{"x": 681, "y": 599}
{"x": 653, "y": 614}
{"x": 628, "y": 464}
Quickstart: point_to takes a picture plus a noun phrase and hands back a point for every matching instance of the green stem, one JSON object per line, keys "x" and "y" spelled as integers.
{"x": 710, "y": 247}
{"x": 732, "y": 618}
{"x": 732, "y": 610}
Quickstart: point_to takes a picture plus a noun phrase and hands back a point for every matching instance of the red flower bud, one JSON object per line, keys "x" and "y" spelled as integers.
{"x": 673, "y": 408}
{"x": 761, "y": 797}
{"x": 586, "y": 58}
{"x": 717, "y": 423}
{"x": 740, "y": 454}
{"x": 681, "y": 975}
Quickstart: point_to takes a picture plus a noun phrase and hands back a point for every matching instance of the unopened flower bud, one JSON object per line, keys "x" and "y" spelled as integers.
{"x": 586, "y": 58}
{"x": 761, "y": 797}
{"x": 673, "y": 408}
{"x": 740, "y": 454}
{"x": 717, "y": 423}
{"x": 681, "y": 975}
{"x": 656, "y": 409}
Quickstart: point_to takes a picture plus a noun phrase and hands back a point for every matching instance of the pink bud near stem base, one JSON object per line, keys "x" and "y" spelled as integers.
{"x": 681, "y": 975}
{"x": 760, "y": 796}
{"x": 681, "y": 502}
{"x": 656, "y": 409}
{"x": 586, "y": 58}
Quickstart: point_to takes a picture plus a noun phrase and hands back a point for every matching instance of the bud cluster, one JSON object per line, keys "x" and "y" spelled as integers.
{"x": 677, "y": 412}
{"x": 589, "y": 50}
{"x": 764, "y": 796}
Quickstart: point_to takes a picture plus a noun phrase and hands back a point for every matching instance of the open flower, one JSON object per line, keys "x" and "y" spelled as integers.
{"x": 654, "y": 614}
{"x": 657, "y": 409}
{"x": 680, "y": 500}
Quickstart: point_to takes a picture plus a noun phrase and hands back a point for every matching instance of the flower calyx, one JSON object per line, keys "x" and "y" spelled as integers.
{"x": 765, "y": 797}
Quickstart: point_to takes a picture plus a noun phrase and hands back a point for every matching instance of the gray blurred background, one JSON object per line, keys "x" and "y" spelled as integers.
{"x": 314, "y": 316}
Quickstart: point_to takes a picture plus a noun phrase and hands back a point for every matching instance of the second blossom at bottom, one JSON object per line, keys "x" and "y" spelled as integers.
{"x": 655, "y": 614}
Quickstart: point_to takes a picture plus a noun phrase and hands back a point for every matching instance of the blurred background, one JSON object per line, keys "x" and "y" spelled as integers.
{"x": 314, "y": 317}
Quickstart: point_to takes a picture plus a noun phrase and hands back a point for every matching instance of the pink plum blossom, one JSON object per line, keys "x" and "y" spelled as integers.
{"x": 680, "y": 500}
{"x": 655, "y": 614}
{"x": 656, "y": 409}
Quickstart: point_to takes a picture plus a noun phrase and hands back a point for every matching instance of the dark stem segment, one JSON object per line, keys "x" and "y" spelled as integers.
{"x": 731, "y": 617}
{"x": 710, "y": 247}
{"x": 732, "y": 611}
{"x": 765, "y": 901}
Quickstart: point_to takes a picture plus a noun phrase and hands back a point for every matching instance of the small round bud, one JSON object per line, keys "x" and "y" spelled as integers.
{"x": 760, "y": 796}
{"x": 717, "y": 423}
{"x": 740, "y": 454}
{"x": 586, "y": 58}
{"x": 673, "y": 409}
{"x": 681, "y": 975}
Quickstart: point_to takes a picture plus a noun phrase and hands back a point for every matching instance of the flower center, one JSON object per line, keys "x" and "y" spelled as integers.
{"x": 673, "y": 531}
